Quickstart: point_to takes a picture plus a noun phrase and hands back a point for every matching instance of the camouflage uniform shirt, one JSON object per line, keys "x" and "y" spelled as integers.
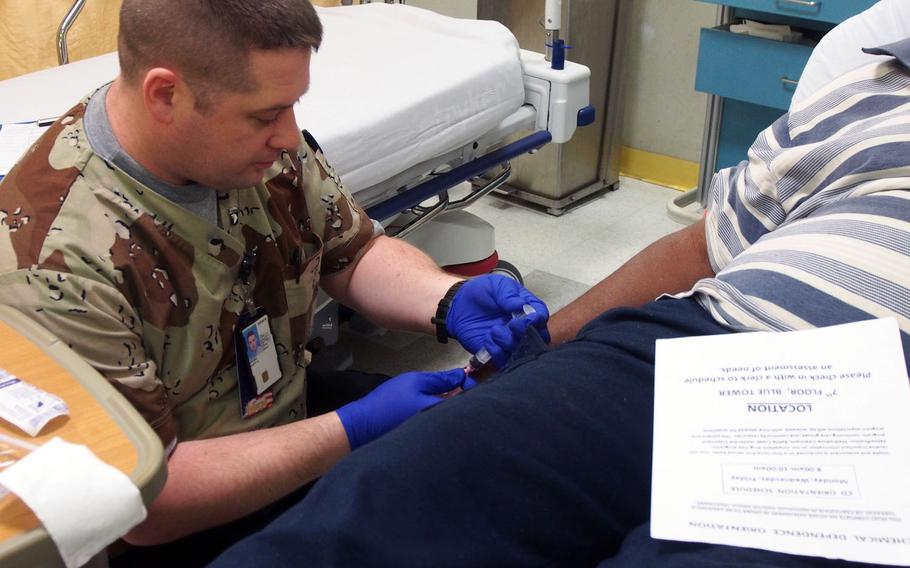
{"x": 148, "y": 292}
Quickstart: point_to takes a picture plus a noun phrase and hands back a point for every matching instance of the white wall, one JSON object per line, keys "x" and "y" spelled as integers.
{"x": 454, "y": 8}
{"x": 664, "y": 114}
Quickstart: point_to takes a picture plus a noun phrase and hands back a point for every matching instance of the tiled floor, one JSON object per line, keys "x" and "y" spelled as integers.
{"x": 559, "y": 257}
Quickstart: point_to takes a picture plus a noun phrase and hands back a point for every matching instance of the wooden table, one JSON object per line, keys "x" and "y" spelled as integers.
{"x": 99, "y": 418}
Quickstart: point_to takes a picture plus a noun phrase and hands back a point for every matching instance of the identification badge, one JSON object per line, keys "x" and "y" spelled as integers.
{"x": 257, "y": 362}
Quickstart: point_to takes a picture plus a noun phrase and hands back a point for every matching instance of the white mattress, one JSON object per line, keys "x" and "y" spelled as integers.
{"x": 394, "y": 85}
{"x": 391, "y": 87}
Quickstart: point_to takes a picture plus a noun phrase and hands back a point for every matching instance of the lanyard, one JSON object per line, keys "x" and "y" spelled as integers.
{"x": 246, "y": 270}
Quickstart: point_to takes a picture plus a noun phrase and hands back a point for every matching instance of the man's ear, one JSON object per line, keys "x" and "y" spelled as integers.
{"x": 160, "y": 92}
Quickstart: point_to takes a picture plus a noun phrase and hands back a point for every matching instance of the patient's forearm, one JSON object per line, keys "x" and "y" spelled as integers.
{"x": 670, "y": 265}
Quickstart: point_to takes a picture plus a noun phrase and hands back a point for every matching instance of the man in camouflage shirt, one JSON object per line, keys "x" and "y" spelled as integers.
{"x": 142, "y": 225}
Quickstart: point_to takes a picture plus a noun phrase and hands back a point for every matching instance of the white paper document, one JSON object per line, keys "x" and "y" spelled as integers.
{"x": 15, "y": 139}
{"x": 796, "y": 442}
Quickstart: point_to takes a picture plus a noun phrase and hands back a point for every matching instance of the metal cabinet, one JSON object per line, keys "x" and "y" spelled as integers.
{"x": 560, "y": 175}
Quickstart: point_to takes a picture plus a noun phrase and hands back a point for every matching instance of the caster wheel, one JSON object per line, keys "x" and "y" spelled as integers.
{"x": 508, "y": 269}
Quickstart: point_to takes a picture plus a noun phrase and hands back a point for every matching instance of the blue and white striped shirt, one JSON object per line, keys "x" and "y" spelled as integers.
{"x": 814, "y": 228}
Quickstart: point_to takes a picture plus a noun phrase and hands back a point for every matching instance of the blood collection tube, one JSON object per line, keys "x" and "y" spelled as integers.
{"x": 482, "y": 356}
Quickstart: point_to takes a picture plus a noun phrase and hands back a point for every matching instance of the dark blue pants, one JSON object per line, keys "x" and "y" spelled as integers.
{"x": 548, "y": 464}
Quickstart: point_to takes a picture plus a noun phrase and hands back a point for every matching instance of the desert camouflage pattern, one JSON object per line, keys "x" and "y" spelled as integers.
{"x": 148, "y": 293}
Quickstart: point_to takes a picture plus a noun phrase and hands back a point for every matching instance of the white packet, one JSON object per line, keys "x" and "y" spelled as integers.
{"x": 26, "y": 406}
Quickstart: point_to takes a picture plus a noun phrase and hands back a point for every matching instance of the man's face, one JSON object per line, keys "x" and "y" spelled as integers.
{"x": 251, "y": 342}
{"x": 240, "y": 135}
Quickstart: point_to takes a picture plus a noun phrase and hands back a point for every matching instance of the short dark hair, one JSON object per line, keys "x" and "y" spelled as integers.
{"x": 208, "y": 41}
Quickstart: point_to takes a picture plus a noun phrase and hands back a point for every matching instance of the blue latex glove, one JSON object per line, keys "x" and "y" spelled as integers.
{"x": 396, "y": 400}
{"x": 481, "y": 316}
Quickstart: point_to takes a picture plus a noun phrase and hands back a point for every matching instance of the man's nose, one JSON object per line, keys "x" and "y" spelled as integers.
{"x": 287, "y": 134}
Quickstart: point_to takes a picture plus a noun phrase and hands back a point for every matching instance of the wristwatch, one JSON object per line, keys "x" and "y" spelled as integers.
{"x": 442, "y": 310}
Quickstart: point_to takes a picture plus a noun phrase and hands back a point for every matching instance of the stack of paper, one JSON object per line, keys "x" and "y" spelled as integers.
{"x": 15, "y": 139}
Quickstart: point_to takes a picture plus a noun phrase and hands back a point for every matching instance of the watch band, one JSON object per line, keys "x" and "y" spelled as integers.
{"x": 442, "y": 310}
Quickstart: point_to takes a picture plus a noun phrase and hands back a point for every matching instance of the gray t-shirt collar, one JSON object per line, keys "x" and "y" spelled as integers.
{"x": 199, "y": 199}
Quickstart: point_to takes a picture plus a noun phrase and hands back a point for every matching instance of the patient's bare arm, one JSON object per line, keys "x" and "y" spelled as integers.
{"x": 670, "y": 265}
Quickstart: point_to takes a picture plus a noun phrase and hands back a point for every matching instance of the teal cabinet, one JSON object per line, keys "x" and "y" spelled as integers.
{"x": 751, "y": 80}
{"x": 831, "y": 11}
{"x": 749, "y": 69}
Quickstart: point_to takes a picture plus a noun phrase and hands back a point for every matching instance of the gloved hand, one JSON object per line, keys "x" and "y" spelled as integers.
{"x": 396, "y": 400}
{"x": 481, "y": 316}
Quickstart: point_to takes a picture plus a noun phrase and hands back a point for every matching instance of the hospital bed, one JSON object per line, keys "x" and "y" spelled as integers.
{"x": 406, "y": 104}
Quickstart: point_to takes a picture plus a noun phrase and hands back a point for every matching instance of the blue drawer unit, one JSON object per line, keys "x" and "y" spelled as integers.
{"x": 750, "y": 69}
{"x": 752, "y": 79}
{"x": 831, "y": 11}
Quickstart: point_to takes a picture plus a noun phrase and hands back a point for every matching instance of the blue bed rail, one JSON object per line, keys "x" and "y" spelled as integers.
{"x": 464, "y": 172}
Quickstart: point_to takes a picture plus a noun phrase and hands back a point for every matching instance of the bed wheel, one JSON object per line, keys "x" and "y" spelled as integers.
{"x": 508, "y": 269}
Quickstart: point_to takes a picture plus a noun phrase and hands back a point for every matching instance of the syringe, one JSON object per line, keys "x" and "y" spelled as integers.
{"x": 482, "y": 357}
